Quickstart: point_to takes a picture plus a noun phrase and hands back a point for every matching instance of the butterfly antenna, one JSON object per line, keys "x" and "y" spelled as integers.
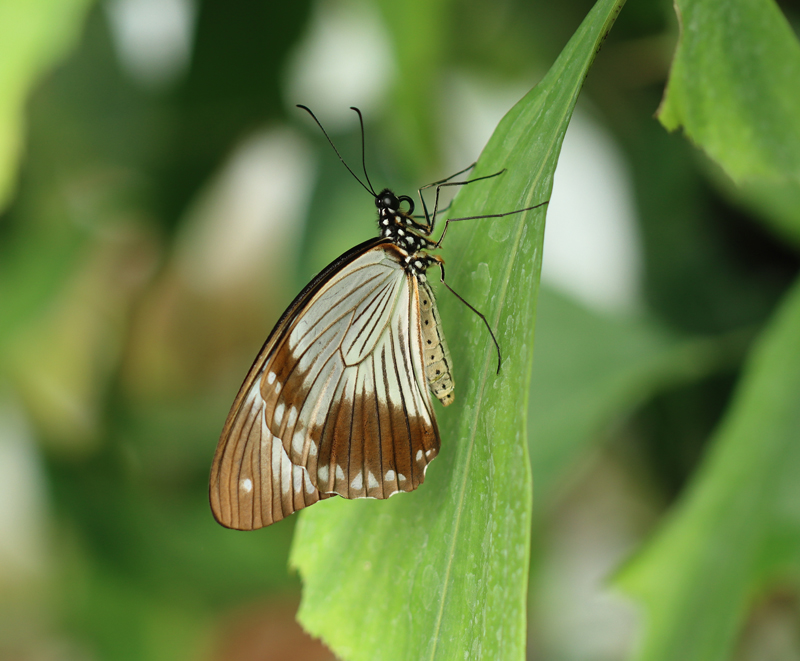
{"x": 363, "y": 155}
{"x": 325, "y": 133}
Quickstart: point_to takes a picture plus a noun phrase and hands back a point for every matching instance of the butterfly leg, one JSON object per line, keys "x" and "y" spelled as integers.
{"x": 426, "y": 216}
{"x": 440, "y": 262}
{"x": 445, "y": 180}
{"x": 430, "y": 218}
{"x": 420, "y": 216}
{"x": 488, "y": 215}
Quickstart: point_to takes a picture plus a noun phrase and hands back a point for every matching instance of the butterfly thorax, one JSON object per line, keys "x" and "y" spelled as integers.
{"x": 398, "y": 225}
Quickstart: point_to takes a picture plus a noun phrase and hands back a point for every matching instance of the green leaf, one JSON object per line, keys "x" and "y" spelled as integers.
{"x": 34, "y": 34}
{"x": 734, "y": 87}
{"x": 592, "y": 368}
{"x": 737, "y": 530}
{"x": 442, "y": 572}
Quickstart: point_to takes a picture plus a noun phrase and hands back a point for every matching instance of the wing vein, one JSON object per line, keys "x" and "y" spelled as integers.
{"x": 405, "y": 411}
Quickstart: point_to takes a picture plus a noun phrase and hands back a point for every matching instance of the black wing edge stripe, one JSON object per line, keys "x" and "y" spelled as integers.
{"x": 232, "y": 448}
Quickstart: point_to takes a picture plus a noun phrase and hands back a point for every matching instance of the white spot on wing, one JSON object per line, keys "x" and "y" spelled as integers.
{"x": 339, "y": 473}
{"x": 246, "y": 485}
{"x": 284, "y": 466}
{"x": 322, "y": 473}
{"x": 297, "y": 478}
{"x": 372, "y": 483}
{"x": 271, "y": 378}
{"x": 358, "y": 482}
{"x": 292, "y": 416}
{"x": 279, "y": 409}
{"x": 298, "y": 440}
{"x": 419, "y": 455}
{"x": 277, "y": 387}
{"x": 309, "y": 486}
{"x": 389, "y": 475}
{"x": 401, "y": 477}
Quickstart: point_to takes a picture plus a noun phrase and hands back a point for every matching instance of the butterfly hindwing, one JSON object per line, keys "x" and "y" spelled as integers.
{"x": 349, "y": 398}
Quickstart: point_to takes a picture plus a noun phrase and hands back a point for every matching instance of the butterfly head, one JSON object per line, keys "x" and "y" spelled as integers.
{"x": 393, "y": 213}
{"x": 398, "y": 226}
{"x": 387, "y": 200}
{"x": 390, "y": 205}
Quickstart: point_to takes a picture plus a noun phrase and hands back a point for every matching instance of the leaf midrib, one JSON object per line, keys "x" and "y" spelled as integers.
{"x": 481, "y": 390}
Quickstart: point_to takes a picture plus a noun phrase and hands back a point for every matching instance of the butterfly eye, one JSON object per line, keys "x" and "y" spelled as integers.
{"x": 387, "y": 200}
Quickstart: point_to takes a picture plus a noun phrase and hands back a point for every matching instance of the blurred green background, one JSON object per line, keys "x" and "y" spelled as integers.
{"x": 163, "y": 201}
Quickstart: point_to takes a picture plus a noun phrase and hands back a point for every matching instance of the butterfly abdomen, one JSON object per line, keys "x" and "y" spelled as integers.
{"x": 437, "y": 355}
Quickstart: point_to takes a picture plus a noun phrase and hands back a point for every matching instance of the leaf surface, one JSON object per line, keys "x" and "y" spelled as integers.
{"x": 734, "y": 87}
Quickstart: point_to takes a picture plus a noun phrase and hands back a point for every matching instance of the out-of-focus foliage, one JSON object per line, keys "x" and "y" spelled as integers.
{"x": 737, "y": 531}
{"x": 734, "y": 87}
{"x": 33, "y": 35}
{"x": 164, "y": 200}
{"x": 593, "y": 368}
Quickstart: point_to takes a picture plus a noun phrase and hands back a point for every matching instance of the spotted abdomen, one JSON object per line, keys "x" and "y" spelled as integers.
{"x": 437, "y": 356}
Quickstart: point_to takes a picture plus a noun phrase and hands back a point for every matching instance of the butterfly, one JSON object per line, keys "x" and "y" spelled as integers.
{"x": 337, "y": 402}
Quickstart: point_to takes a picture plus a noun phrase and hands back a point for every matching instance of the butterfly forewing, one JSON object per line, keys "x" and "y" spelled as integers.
{"x": 336, "y": 402}
{"x": 253, "y": 482}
